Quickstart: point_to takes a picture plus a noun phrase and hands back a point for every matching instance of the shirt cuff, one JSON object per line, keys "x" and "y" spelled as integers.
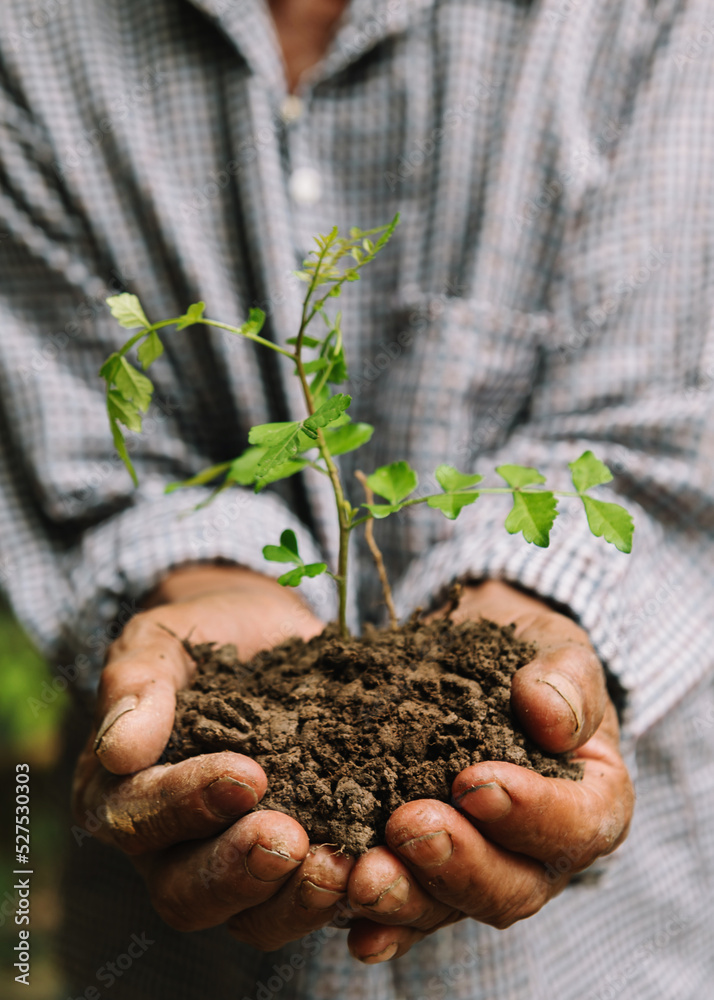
{"x": 579, "y": 574}
{"x": 122, "y": 559}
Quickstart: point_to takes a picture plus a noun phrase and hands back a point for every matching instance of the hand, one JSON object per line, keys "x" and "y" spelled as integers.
{"x": 512, "y": 839}
{"x": 181, "y": 824}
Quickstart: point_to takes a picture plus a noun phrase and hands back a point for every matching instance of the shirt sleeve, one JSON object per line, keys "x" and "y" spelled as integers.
{"x": 625, "y": 367}
{"x": 79, "y": 546}
{"x": 648, "y": 613}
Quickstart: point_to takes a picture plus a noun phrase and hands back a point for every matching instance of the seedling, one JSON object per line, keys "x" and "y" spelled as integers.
{"x": 278, "y": 450}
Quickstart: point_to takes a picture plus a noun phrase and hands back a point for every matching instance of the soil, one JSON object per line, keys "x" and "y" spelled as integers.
{"x": 347, "y": 731}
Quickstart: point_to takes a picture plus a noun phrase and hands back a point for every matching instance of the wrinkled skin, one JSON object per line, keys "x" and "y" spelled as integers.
{"x": 206, "y": 862}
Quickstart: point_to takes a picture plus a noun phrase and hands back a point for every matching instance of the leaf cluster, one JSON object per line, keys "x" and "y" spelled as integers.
{"x": 287, "y": 552}
{"x": 129, "y": 391}
{"x": 534, "y": 509}
{"x": 279, "y": 450}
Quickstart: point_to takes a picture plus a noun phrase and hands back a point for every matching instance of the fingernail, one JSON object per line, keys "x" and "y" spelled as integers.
{"x": 267, "y": 865}
{"x": 486, "y": 802}
{"x": 392, "y": 898}
{"x": 430, "y": 849}
{"x": 228, "y": 797}
{"x": 314, "y": 897}
{"x": 572, "y": 697}
{"x": 381, "y": 956}
{"x": 126, "y": 704}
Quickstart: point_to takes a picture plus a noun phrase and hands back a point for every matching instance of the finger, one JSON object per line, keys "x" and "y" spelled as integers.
{"x": 464, "y": 870}
{"x": 165, "y": 805}
{"x": 372, "y": 943}
{"x": 137, "y": 695}
{"x": 382, "y": 889}
{"x": 560, "y": 696}
{"x": 553, "y": 818}
{"x": 198, "y": 885}
{"x": 309, "y": 900}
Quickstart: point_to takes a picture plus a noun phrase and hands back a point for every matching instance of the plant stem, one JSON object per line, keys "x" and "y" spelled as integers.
{"x": 205, "y": 322}
{"x": 344, "y": 512}
{"x": 249, "y": 336}
{"x": 497, "y": 489}
{"x": 142, "y": 333}
{"x": 377, "y": 555}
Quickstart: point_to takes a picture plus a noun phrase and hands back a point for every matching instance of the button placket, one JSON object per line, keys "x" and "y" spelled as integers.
{"x": 305, "y": 180}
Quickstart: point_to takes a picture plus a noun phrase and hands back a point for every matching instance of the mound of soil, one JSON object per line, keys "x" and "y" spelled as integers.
{"x": 347, "y": 731}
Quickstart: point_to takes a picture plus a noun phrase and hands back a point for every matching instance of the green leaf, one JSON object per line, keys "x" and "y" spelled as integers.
{"x": 520, "y": 475}
{"x": 126, "y": 310}
{"x": 451, "y": 504}
{"x": 334, "y": 352}
{"x": 338, "y": 371}
{"x": 109, "y": 368}
{"x": 288, "y": 541}
{"x": 120, "y": 445}
{"x": 255, "y": 321}
{"x": 344, "y": 439}
{"x": 533, "y": 514}
{"x": 395, "y": 481}
{"x": 201, "y": 478}
{"x": 281, "y": 451}
{"x": 341, "y": 421}
{"x": 588, "y": 471}
{"x": 278, "y": 472}
{"x": 306, "y": 341}
{"x": 191, "y": 316}
{"x": 124, "y": 410}
{"x": 270, "y": 434}
{"x": 150, "y": 349}
{"x": 318, "y": 365}
{"x": 450, "y": 479}
{"x": 284, "y": 440}
{"x": 287, "y": 551}
{"x": 380, "y": 510}
{"x": 133, "y": 385}
{"x": 278, "y": 553}
{"x": 315, "y": 569}
{"x": 611, "y": 522}
{"x": 293, "y": 578}
{"x": 244, "y": 469}
{"x": 330, "y": 411}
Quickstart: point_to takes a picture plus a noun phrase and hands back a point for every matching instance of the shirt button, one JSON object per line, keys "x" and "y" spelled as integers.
{"x": 291, "y": 109}
{"x": 305, "y": 186}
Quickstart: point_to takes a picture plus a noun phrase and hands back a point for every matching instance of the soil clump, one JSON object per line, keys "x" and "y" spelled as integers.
{"x": 347, "y": 731}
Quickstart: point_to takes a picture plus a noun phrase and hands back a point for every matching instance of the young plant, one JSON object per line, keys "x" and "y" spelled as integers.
{"x": 278, "y": 450}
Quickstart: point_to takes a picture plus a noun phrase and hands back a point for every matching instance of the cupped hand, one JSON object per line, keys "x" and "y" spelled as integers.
{"x": 205, "y": 862}
{"x": 512, "y": 838}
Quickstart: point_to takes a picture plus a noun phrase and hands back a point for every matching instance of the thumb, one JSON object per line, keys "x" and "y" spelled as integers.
{"x": 136, "y": 703}
{"x": 560, "y": 696}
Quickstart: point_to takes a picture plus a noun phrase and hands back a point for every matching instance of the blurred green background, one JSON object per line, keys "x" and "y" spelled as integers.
{"x": 30, "y": 733}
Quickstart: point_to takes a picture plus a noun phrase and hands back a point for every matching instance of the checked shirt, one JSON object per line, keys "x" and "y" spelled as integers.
{"x": 549, "y": 290}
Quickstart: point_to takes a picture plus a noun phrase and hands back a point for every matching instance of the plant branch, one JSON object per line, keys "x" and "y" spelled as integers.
{"x": 249, "y": 336}
{"x": 497, "y": 489}
{"x": 344, "y": 511}
{"x": 377, "y": 555}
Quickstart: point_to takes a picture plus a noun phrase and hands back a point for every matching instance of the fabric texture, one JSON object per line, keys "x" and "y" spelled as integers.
{"x": 548, "y": 290}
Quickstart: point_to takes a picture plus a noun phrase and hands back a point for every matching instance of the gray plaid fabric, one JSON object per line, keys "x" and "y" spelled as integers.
{"x": 549, "y": 290}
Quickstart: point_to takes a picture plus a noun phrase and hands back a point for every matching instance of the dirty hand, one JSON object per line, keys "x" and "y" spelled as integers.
{"x": 513, "y": 838}
{"x": 180, "y": 824}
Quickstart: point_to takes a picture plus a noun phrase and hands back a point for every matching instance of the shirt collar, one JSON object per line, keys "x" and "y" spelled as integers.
{"x": 365, "y": 23}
